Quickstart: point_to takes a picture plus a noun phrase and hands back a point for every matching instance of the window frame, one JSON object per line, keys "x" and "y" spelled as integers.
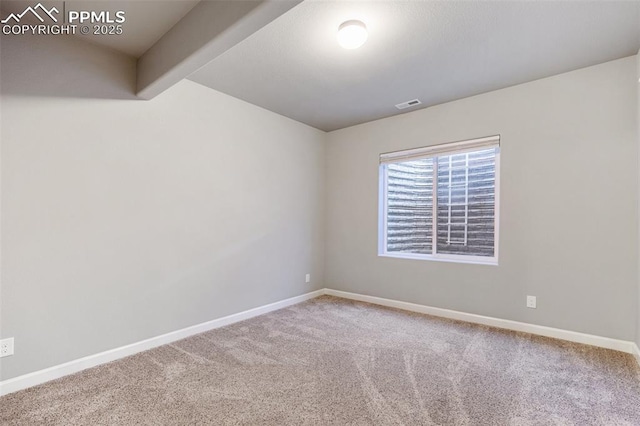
{"x": 451, "y": 148}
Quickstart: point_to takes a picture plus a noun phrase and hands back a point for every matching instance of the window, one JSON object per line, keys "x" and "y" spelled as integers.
{"x": 441, "y": 202}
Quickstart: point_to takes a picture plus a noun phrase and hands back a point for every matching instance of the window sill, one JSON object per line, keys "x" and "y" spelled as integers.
{"x": 474, "y": 260}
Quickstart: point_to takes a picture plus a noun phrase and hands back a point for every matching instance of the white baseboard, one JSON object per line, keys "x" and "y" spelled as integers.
{"x": 58, "y": 371}
{"x": 571, "y": 336}
{"x": 55, "y": 372}
{"x": 636, "y": 353}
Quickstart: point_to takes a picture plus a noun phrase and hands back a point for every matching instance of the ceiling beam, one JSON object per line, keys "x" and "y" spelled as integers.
{"x": 208, "y": 30}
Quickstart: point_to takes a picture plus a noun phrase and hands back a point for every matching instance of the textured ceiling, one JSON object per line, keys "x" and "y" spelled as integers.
{"x": 433, "y": 51}
{"x": 146, "y": 20}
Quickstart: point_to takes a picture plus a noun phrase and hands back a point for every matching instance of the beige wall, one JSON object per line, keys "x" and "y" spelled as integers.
{"x": 638, "y": 120}
{"x": 126, "y": 219}
{"x": 569, "y": 204}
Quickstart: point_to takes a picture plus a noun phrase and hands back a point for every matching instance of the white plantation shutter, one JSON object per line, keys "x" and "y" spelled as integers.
{"x": 462, "y": 176}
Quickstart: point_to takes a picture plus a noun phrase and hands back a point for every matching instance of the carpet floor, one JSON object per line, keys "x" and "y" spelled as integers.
{"x": 329, "y": 361}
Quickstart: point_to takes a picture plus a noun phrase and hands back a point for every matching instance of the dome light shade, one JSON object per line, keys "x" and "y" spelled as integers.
{"x": 352, "y": 34}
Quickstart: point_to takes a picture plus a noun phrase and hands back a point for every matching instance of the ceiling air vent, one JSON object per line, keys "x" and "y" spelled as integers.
{"x": 408, "y": 104}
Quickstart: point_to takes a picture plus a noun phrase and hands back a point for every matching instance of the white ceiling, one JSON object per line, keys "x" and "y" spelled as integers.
{"x": 433, "y": 51}
{"x": 146, "y": 20}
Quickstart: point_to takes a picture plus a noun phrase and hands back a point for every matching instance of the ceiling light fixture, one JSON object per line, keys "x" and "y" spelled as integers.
{"x": 352, "y": 34}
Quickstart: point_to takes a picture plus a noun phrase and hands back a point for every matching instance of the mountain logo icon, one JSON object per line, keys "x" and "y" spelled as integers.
{"x": 34, "y": 11}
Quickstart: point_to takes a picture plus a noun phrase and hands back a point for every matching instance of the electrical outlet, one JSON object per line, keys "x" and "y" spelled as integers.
{"x": 6, "y": 347}
{"x": 307, "y": 278}
{"x": 531, "y": 302}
